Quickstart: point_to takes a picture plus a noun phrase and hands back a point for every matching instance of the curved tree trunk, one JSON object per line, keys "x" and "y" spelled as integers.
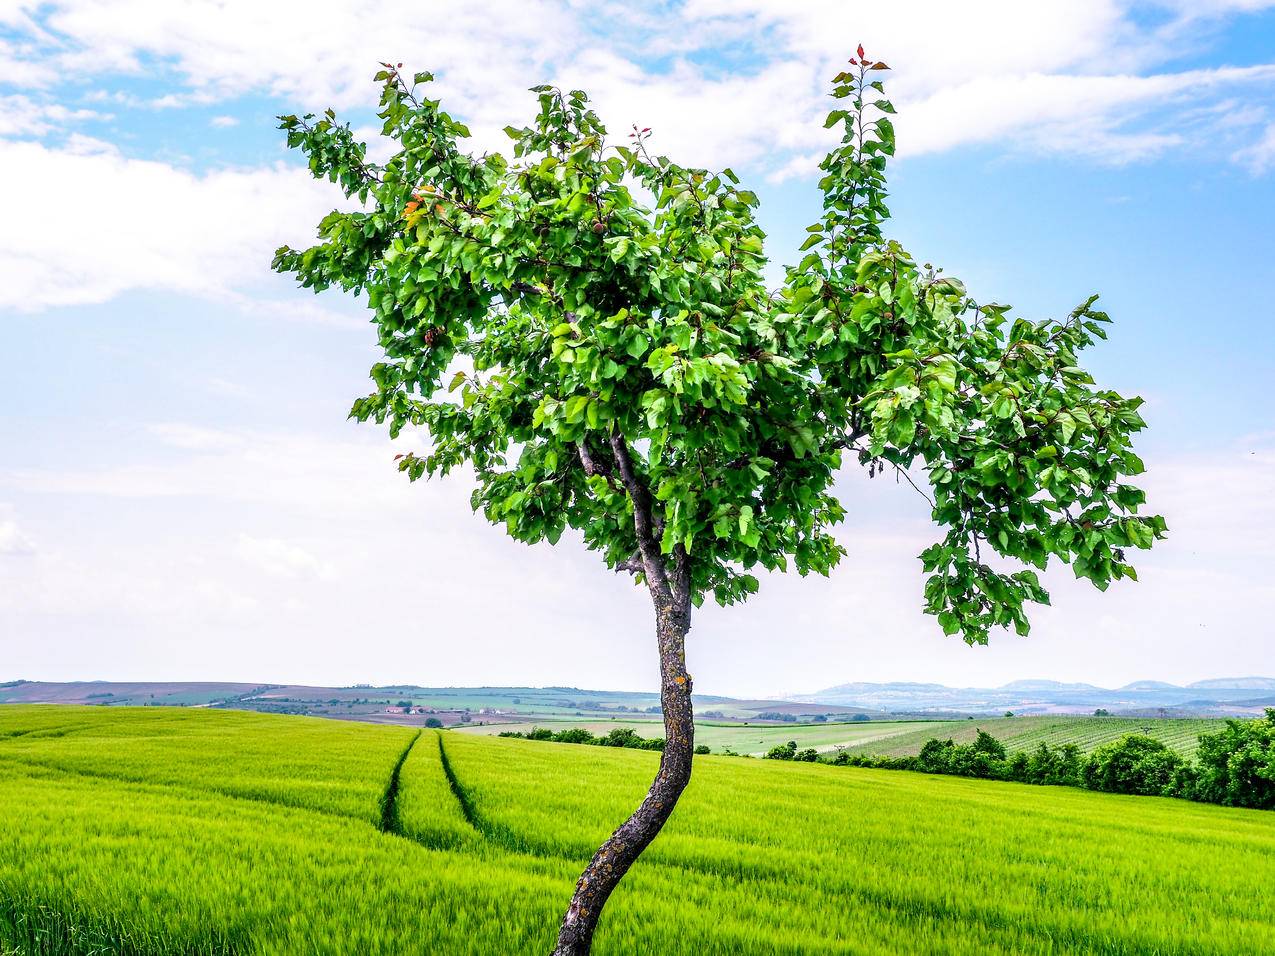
{"x": 617, "y": 854}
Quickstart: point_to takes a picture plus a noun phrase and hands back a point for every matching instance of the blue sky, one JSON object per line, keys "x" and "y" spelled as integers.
{"x": 181, "y": 496}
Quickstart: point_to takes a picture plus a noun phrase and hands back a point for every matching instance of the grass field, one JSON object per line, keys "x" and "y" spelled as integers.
{"x": 155, "y": 831}
{"x": 901, "y": 737}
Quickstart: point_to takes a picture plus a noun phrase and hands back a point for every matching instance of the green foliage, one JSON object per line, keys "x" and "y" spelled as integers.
{"x": 985, "y": 743}
{"x": 1133, "y": 764}
{"x": 783, "y": 751}
{"x": 765, "y": 858}
{"x": 1027, "y": 733}
{"x": 433, "y": 723}
{"x": 618, "y": 737}
{"x": 1237, "y": 764}
{"x": 540, "y": 324}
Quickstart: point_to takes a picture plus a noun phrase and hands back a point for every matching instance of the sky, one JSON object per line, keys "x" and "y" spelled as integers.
{"x": 182, "y": 497}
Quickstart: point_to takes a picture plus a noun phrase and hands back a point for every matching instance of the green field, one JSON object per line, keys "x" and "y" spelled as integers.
{"x": 901, "y": 737}
{"x": 158, "y": 831}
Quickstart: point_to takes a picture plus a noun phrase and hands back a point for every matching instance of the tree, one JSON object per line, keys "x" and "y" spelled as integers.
{"x": 1237, "y": 764}
{"x": 985, "y": 743}
{"x": 433, "y": 722}
{"x": 1132, "y": 764}
{"x": 782, "y": 751}
{"x": 615, "y": 364}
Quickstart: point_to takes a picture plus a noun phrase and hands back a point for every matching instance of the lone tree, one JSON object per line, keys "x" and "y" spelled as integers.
{"x": 585, "y": 327}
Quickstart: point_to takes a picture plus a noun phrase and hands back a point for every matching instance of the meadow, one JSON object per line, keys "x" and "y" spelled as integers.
{"x": 157, "y": 831}
{"x": 896, "y": 738}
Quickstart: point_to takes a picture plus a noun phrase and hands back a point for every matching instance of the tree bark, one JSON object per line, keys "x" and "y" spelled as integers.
{"x": 621, "y": 850}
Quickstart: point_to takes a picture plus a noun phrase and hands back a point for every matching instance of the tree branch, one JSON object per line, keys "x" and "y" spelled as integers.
{"x": 633, "y": 564}
{"x": 648, "y": 544}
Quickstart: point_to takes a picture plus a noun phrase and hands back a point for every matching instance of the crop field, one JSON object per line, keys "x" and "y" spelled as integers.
{"x": 156, "y": 831}
{"x": 904, "y": 737}
{"x": 1026, "y": 733}
{"x": 752, "y": 739}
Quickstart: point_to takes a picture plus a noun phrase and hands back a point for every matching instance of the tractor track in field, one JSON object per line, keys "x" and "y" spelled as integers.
{"x": 390, "y": 822}
{"x": 466, "y": 805}
{"x": 495, "y": 833}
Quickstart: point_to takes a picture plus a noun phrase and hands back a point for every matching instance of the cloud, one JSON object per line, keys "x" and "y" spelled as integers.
{"x": 744, "y": 81}
{"x": 22, "y": 116}
{"x": 140, "y": 224}
{"x": 722, "y": 82}
{"x": 1086, "y": 115}
{"x": 223, "y": 122}
{"x": 295, "y": 50}
{"x": 1260, "y": 156}
{"x": 281, "y": 559}
{"x": 13, "y": 543}
{"x": 194, "y": 437}
{"x": 288, "y": 471}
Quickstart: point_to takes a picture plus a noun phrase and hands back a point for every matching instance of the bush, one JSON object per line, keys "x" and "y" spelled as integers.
{"x": 622, "y": 737}
{"x": 809, "y": 755}
{"x": 435, "y": 723}
{"x": 1237, "y": 764}
{"x": 985, "y": 743}
{"x": 1132, "y": 764}
{"x": 783, "y": 751}
{"x": 703, "y": 749}
{"x": 574, "y": 735}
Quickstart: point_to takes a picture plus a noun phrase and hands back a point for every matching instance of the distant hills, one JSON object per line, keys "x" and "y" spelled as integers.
{"x": 1230, "y": 696}
{"x": 1215, "y": 697}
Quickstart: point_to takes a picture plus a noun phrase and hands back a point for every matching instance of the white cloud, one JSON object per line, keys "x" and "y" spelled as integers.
{"x": 1062, "y": 114}
{"x": 141, "y": 225}
{"x": 13, "y": 542}
{"x": 194, "y": 437}
{"x": 1260, "y": 156}
{"x": 281, "y": 558}
{"x": 223, "y": 122}
{"x": 22, "y": 116}
{"x": 300, "y": 51}
{"x": 1059, "y": 76}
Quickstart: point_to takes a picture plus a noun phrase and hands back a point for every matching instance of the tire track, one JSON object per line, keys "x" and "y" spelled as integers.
{"x": 390, "y": 822}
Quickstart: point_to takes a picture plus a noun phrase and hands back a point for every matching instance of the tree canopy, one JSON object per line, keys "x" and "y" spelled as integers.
{"x": 587, "y": 327}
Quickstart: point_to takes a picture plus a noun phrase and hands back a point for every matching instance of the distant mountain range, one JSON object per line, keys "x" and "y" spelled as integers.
{"x": 1226, "y": 695}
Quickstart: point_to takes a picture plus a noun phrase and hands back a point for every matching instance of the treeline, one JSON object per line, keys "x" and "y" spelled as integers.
{"x": 1234, "y": 766}
{"x": 618, "y": 737}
